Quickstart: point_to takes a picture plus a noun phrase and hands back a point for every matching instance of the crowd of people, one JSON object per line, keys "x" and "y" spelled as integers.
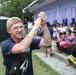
{"x": 65, "y": 37}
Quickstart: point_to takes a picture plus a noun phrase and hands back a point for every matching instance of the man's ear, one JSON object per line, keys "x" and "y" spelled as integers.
{"x": 8, "y": 30}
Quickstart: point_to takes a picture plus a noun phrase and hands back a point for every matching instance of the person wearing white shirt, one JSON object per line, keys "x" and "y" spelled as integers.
{"x": 29, "y": 24}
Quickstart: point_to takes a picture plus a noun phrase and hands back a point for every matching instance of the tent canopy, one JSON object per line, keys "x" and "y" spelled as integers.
{"x": 3, "y": 18}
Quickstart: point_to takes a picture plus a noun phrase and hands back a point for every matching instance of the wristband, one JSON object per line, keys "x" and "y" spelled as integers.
{"x": 48, "y": 46}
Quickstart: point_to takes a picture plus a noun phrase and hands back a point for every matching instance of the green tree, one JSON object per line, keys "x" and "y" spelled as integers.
{"x": 14, "y": 7}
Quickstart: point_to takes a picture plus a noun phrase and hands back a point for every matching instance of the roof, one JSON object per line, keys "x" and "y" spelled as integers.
{"x": 3, "y": 18}
{"x": 37, "y": 4}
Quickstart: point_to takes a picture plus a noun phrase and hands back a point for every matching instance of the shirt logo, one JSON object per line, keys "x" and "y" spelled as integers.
{"x": 24, "y": 66}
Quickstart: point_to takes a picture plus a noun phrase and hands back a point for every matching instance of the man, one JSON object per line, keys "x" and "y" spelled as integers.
{"x": 15, "y": 45}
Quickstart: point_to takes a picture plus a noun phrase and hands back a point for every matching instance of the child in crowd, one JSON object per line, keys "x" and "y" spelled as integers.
{"x": 54, "y": 31}
{"x": 57, "y": 42}
{"x": 63, "y": 43}
{"x": 72, "y": 48}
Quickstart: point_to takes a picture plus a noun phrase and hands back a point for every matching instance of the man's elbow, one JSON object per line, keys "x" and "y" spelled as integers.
{"x": 18, "y": 49}
{"x": 22, "y": 49}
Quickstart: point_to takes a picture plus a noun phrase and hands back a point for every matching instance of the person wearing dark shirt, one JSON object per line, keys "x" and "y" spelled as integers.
{"x": 15, "y": 44}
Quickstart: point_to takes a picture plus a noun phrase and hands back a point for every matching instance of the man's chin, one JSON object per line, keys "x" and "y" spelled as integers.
{"x": 20, "y": 37}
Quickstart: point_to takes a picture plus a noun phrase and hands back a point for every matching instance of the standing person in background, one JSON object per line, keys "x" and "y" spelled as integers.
{"x": 40, "y": 32}
{"x": 15, "y": 44}
{"x": 29, "y": 24}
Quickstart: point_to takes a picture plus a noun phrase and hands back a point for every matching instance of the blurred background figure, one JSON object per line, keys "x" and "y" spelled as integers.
{"x": 29, "y": 24}
{"x": 40, "y": 32}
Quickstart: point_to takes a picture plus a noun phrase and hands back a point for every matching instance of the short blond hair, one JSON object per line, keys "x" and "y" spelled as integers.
{"x": 12, "y": 20}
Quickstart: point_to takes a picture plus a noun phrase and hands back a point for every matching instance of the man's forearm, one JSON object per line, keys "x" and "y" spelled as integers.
{"x": 47, "y": 36}
{"x": 28, "y": 39}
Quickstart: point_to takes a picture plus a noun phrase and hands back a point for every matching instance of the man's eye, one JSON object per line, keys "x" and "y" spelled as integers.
{"x": 16, "y": 28}
{"x": 21, "y": 26}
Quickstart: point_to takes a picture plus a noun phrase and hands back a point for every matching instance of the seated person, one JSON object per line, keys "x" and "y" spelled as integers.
{"x": 63, "y": 44}
{"x": 55, "y": 31}
{"x": 71, "y": 26}
{"x": 57, "y": 42}
{"x": 67, "y": 40}
{"x": 72, "y": 48}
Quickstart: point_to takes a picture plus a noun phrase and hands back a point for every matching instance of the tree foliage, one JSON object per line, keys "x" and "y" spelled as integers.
{"x": 14, "y": 8}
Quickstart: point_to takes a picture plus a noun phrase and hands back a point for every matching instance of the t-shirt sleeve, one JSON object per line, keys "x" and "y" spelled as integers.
{"x": 7, "y": 48}
{"x": 35, "y": 43}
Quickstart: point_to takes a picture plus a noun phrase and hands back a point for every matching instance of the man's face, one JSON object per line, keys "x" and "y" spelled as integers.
{"x": 16, "y": 30}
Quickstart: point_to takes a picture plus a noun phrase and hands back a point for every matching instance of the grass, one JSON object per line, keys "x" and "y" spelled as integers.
{"x": 2, "y": 67}
{"x": 26, "y": 29}
{"x": 40, "y": 67}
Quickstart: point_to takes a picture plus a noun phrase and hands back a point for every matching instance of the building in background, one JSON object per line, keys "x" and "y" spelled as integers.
{"x": 61, "y": 11}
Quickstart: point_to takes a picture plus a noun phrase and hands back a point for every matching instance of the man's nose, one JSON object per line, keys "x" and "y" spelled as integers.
{"x": 19, "y": 29}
